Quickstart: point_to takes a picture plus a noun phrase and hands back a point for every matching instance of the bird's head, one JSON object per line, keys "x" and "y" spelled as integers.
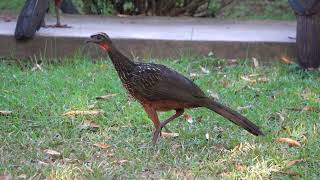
{"x": 102, "y": 39}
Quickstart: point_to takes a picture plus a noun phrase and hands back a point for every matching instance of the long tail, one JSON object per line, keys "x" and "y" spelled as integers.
{"x": 233, "y": 116}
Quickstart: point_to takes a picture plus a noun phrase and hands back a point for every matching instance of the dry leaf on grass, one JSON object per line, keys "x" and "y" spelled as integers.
{"x": 263, "y": 79}
{"x": 188, "y": 118}
{"x": 286, "y": 60}
{"x": 218, "y": 147}
{"x": 248, "y": 79}
{"x": 241, "y": 167}
{"x": 52, "y": 152}
{"x": 5, "y": 113}
{"x": 89, "y": 124}
{"x": 290, "y": 163}
{"x": 22, "y": 176}
{"x": 169, "y": 135}
{"x": 240, "y": 108}
{"x": 74, "y": 113}
{"x": 106, "y": 97}
{"x": 311, "y": 108}
{"x": 102, "y": 146}
{"x": 121, "y": 162}
{"x": 42, "y": 163}
{"x": 290, "y": 142}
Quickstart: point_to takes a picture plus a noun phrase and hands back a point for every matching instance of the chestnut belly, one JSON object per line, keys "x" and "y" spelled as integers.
{"x": 168, "y": 105}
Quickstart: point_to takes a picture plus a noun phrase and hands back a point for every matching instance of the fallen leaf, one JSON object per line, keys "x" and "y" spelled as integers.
{"x": 255, "y": 62}
{"x": 253, "y": 75}
{"x": 5, "y": 113}
{"x": 244, "y": 107}
{"x": 121, "y": 162}
{"x": 311, "y": 108}
{"x": 106, "y": 97}
{"x": 42, "y": 163}
{"x": 218, "y": 147}
{"x": 240, "y": 167}
{"x": 89, "y": 124}
{"x": 286, "y": 60}
{"x": 169, "y": 135}
{"x": 204, "y": 70}
{"x": 248, "y": 79}
{"x": 188, "y": 118}
{"x": 263, "y": 79}
{"x": 213, "y": 94}
{"x": 290, "y": 163}
{"x": 74, "y": 113}
{"x": 290, "y": 142}
{"x": 102, "y": 146}
{"x": 22, "y": 176}
{"x": 52, "y": 152}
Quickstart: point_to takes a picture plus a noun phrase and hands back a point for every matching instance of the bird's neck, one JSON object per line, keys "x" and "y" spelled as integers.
{"x": 122, "y": 64}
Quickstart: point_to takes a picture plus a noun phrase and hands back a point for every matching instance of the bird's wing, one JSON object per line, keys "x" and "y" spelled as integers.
{"x": 157, "y": 82}
{"x": 30, "y": 18}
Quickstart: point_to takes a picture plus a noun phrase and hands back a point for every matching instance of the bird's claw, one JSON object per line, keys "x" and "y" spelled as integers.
{"x": 156, "y": 134}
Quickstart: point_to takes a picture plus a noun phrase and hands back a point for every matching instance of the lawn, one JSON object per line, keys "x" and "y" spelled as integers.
{"x": 283, "y": 100}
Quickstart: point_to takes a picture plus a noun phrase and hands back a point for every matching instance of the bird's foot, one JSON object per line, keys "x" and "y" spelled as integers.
{"x": 156, "y": 135}
{"x": 57, "y": 26}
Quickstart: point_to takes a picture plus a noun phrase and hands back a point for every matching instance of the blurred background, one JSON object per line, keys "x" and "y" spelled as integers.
{"x": 221, "y": 9}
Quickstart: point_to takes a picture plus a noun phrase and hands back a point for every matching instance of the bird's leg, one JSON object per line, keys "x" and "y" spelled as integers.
{"x": 58, "y": 24}
{"x": 157, "y": 125}
{"x": 58, "y": 15}
{"x": 178, "y": 113}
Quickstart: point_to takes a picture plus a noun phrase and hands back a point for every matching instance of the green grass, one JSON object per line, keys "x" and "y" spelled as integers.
{"x": 39, "y": 98}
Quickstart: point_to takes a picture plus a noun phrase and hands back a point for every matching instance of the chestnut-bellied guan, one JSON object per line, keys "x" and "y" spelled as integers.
{"x": 159, "y": 88}
{"x": 31, "y": 18}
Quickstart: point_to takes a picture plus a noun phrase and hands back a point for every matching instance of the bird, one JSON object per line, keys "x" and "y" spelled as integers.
{"x": 31, "y": 18}
{"x": 158, "y": 88}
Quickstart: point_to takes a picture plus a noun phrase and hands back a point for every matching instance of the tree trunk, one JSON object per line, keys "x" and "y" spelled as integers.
{"x": 308, "y": 35}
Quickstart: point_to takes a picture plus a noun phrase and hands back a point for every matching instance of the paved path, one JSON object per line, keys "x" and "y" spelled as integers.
{"x": 189, "y": 30}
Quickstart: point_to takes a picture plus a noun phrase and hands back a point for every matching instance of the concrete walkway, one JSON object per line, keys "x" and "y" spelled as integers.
{"x": 158, "y": 37}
